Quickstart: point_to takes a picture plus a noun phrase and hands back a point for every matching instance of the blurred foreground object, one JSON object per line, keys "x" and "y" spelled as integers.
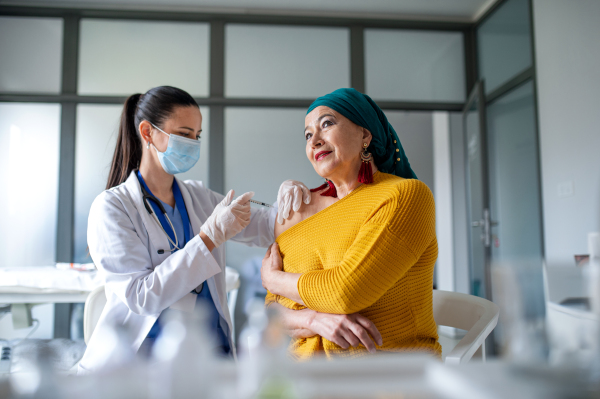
{"x": 518, "y": 289}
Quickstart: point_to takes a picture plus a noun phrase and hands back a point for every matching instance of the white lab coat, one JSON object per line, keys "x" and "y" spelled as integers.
{"x": 124, "y": 241}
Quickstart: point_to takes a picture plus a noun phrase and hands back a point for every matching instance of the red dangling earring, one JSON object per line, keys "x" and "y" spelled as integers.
{"x": 365, "y": 174}
{"x": 330, "y": 192}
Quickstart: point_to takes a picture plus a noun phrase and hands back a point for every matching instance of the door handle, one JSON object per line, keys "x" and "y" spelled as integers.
{"x": 486, "y": 224}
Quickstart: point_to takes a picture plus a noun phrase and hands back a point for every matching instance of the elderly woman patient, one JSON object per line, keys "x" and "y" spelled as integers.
{"x": 352, "y": 271}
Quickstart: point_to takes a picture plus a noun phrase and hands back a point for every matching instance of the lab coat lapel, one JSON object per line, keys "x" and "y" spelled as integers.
{"x": 155, "y": 233}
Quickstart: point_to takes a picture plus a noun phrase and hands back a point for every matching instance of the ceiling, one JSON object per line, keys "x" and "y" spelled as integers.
{"x": 435, "y": 10}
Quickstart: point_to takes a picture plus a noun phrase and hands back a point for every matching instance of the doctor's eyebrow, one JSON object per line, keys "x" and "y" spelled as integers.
{"x": 189, "y": 128}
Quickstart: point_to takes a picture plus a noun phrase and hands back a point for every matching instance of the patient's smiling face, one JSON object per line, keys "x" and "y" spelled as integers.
{"x": 334, "y": 143}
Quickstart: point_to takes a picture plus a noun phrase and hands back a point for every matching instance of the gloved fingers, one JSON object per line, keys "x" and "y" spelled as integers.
{"x": 283, "y": 189}
{"x": 282, "y": 198}
{"x": 240, "y": 205}
{"x": 243, "y": 199}
{"x": 279, "y": 217}
{"x": 297, "y": 200}
{"x": 227, "y": 200}
{"x": 306, "y": 194}
{"x": 287, "y": 206}
{"x": 242, "y": 211}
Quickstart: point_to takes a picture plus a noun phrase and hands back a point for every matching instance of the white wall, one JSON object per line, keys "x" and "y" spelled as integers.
{"x": 567, "y": 40}
{"x": 442, "y": 172}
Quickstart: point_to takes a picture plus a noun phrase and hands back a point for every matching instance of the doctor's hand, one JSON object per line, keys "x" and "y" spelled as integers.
{"x": 290, "y": 197}
{"x": 228, "y": 219}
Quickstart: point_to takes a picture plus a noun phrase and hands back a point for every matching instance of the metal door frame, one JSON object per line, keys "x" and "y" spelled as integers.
{"x": 478, "y": 93}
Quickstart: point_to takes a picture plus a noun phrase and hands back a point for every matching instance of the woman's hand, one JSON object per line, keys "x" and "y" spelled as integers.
{"x": 271, "y": 265}
{"x": 275, "y": 279}
{"x": 345, "y": 330}
{"x": 342, "y": 330}
{"x": 290, "y": 197}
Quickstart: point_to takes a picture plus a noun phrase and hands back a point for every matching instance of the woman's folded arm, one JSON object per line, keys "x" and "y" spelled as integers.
{"x": 343, "y": 330}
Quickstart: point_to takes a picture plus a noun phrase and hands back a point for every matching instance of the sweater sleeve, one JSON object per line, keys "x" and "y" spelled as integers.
{"x": 283, "y": 301}
{"x": 387, "y": 245}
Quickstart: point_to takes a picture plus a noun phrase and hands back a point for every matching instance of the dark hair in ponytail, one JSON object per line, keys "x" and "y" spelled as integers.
{"x": 155, "y": 106}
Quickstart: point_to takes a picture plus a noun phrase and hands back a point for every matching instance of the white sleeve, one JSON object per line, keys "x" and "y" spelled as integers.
{"x": 261, "y": 230}
{"x": 117, "y": 249}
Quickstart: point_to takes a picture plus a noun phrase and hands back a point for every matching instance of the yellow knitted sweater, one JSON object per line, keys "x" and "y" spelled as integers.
{"x": 371, "y": 252}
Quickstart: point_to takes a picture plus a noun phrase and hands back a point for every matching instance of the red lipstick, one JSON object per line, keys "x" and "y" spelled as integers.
{"x": 321, "y": 154}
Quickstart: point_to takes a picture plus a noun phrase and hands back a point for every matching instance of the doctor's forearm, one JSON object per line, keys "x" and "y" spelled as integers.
{"x": 207, "y": 241}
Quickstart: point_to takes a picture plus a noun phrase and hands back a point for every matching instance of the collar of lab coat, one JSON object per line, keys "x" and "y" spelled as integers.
{"x": 155, "y": 233}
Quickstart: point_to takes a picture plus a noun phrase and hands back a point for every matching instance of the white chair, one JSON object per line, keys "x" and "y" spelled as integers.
{"x": 467, "y": 312}
{"x": 95, "y": 302}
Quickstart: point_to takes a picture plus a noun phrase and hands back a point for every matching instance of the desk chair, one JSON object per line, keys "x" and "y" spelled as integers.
{"x": 467, "y": 312}
{"x": 95, "y": 302}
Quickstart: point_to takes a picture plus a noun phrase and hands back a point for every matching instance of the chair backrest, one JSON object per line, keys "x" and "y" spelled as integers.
{"x": 95, "y": 302}
{"x": 467, "y": 312}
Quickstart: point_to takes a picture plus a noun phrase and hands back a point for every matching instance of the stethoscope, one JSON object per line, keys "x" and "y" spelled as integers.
{"x": 146, "y": 196}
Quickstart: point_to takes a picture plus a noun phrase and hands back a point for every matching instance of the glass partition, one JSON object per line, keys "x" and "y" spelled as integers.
{"x": 285, "y": 61}
{"x": 514, "y": 186}
{"x": 407, "y": 65}
{"x": 125, "y": 57}
{"x": 31, "y": 54}
{"x": 29, "y": 148}
{"x": 504, "y": 44}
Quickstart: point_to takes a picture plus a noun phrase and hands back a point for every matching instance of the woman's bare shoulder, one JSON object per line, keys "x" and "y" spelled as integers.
{"x": 317, "y": 204}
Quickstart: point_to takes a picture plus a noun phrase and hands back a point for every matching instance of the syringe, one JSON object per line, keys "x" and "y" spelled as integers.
{"x": 260, "y": 203}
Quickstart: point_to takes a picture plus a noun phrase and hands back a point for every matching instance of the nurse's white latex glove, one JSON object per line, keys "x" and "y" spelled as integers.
{"x": 228, "y": 219}
{"x": 291, "y": 195}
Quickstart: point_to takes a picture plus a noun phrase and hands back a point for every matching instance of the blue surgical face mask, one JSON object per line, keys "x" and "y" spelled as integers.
{"x": 181, "y": 153}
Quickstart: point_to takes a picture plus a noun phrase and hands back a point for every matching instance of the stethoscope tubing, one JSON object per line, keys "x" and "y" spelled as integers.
{"x": 147, "y": 197}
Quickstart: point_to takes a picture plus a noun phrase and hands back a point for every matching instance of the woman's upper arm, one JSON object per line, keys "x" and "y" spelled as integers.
{"x": 294, "y": 218}
{"x": 386, "y": 247}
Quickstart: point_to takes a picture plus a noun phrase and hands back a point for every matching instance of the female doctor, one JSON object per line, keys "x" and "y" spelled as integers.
{"x": 157, "y": 239}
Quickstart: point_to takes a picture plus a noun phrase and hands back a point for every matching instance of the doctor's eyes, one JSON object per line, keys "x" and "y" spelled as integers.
{"x": 189, "y": 136}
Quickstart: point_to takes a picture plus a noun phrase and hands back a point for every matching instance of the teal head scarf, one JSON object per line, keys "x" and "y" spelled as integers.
{"x": 385, "y": 146}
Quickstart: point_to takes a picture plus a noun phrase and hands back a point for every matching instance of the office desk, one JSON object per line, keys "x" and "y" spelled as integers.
{"x": 23, "y": 287}
{"x": 21, "y": 295}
